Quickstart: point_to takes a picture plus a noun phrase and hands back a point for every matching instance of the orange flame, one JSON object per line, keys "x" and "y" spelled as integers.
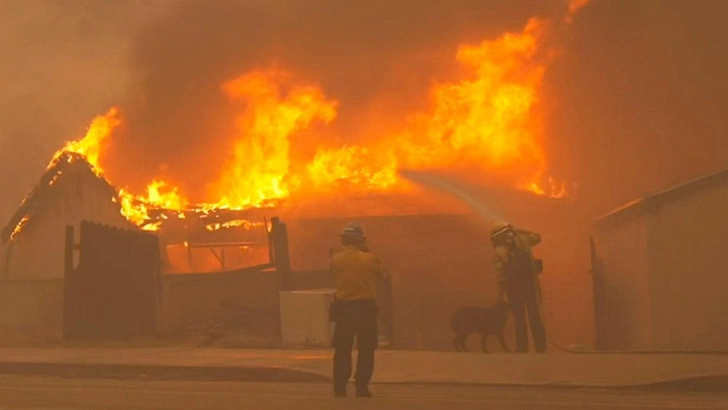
{"x": 90, "y": 145}
{"x": 233, "y": 224}
{"x": 353, "y": 166}
{"x": 261, "y": 162}
{"x": 169, "y": 198}
{"x": 486, "y": 123}
{"x": 19, "y": 227}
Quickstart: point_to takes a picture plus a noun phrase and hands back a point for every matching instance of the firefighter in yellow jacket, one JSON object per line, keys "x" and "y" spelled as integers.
{"x": 356, "y": 271}
{"x": 517, "y": 277}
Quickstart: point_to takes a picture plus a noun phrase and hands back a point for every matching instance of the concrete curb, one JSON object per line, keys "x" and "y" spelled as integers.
{"x": 712, "y": 383}
{"x": 162, "y": 372}
{"x": 280, "y": 374}
{"x": 718, "y": 383}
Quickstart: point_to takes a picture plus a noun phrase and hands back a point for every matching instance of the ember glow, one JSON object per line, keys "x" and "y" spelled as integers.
{"x": 233, "y": 224}
{"x": 485, "y": 124}
{"x": 19, "y": 227}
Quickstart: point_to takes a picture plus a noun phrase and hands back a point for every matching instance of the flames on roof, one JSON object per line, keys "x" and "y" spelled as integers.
{"x": 483, "y": 124}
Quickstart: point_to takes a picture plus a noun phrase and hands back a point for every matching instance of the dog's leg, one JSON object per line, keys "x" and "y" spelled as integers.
{"x": 484, "y": 342}
{"x": 463, "y": 346}
{"x": 503, "y": 342}
{"x": 456, "y": 343}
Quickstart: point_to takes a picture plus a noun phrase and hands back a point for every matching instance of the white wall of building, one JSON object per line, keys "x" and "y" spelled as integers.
{"x": 689, "y": 263}
{"x": 38, "y": 252}
{"x": 665, "y": 271}
{"x": 622, "y": 249}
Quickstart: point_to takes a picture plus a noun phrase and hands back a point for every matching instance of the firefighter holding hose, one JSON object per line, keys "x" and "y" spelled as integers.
{"x": 357, "y": 272}
{"x": 517, "y": 277}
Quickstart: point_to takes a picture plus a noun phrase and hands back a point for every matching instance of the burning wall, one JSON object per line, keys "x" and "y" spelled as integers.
{"x": 33, "y": 243}
{"x": 274, "y": 134}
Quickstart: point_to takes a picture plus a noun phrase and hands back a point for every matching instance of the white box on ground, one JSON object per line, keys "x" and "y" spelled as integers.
{"x": 305, "y": 317}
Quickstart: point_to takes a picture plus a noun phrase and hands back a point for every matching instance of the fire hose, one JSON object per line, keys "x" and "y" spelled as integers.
{"x": 434, "y": 181}
{"x": 559, "y": 346}
{"x": 562, "y": 348}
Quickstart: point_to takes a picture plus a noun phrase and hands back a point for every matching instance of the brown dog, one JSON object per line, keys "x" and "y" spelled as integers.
{"x": 484, "y": 321}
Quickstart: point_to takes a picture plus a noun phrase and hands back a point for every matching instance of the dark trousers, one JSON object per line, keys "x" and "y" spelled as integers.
{"x": 524, "y": 300}
{"x": 358, "y": 319}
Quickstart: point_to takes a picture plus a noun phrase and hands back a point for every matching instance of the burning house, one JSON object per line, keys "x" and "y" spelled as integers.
{"x": 67, "y": 193}
{"x": 436, "y": 248}
{"x": 279, "y": 149}
{"x": 71, "y": 190}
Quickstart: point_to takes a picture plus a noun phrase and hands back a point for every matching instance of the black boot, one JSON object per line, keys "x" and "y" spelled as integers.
{"x": 362, "y": 390}
{"x": 340, "y": 391}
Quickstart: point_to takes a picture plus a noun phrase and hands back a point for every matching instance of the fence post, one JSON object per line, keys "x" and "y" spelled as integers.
{"x": 70, "y": 311}
{"x": 282, "y": 261}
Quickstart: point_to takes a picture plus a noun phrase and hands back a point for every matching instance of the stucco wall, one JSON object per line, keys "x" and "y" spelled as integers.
{"x": 38, "y": 251}
{"x": 31, "y": 309}
{"x": 666, "y": 274}
{"x": 689, "y": 265}
{"x": 622, "y": 252}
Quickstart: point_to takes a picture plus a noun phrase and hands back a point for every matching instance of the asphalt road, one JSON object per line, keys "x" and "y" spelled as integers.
{"x": 31, "y": 393}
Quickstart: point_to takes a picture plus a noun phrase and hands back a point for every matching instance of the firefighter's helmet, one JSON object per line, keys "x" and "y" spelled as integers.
{"x": 353, "y": 231}
{"x": 498, "y": 228}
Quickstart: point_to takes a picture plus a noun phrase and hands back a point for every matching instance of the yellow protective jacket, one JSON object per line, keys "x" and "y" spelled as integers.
{"x": 356, "y": 273}
{"x": 524, "y": 240}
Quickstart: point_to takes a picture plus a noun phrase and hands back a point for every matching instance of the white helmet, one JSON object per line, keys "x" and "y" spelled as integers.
{"x": 498, "y": 228}
{"x": 353, "y": 231}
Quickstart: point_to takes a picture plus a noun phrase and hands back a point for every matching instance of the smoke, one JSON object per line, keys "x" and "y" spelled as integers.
{"x": 377, "y": 58}
{"x": 62, "y": 63}
{"x": 635, "y": 102}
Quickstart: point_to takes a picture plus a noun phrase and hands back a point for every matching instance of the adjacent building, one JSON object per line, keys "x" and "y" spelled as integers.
{"x": 661, "y": 270}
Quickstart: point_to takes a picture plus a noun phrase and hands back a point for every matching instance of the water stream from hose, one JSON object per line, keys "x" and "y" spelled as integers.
{"x": 438, "y": 182}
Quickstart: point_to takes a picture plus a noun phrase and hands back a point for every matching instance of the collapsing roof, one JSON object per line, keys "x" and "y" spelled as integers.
{"x": 48, "y": 188}
{"x": 639, "y": 205}
{"x": 155, "y": 217}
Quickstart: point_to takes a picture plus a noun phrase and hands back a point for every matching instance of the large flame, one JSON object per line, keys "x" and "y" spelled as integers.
{"x": 260, "y": 166}
{"x": 91, "y": 144}
{"x": 486, "y": 124}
